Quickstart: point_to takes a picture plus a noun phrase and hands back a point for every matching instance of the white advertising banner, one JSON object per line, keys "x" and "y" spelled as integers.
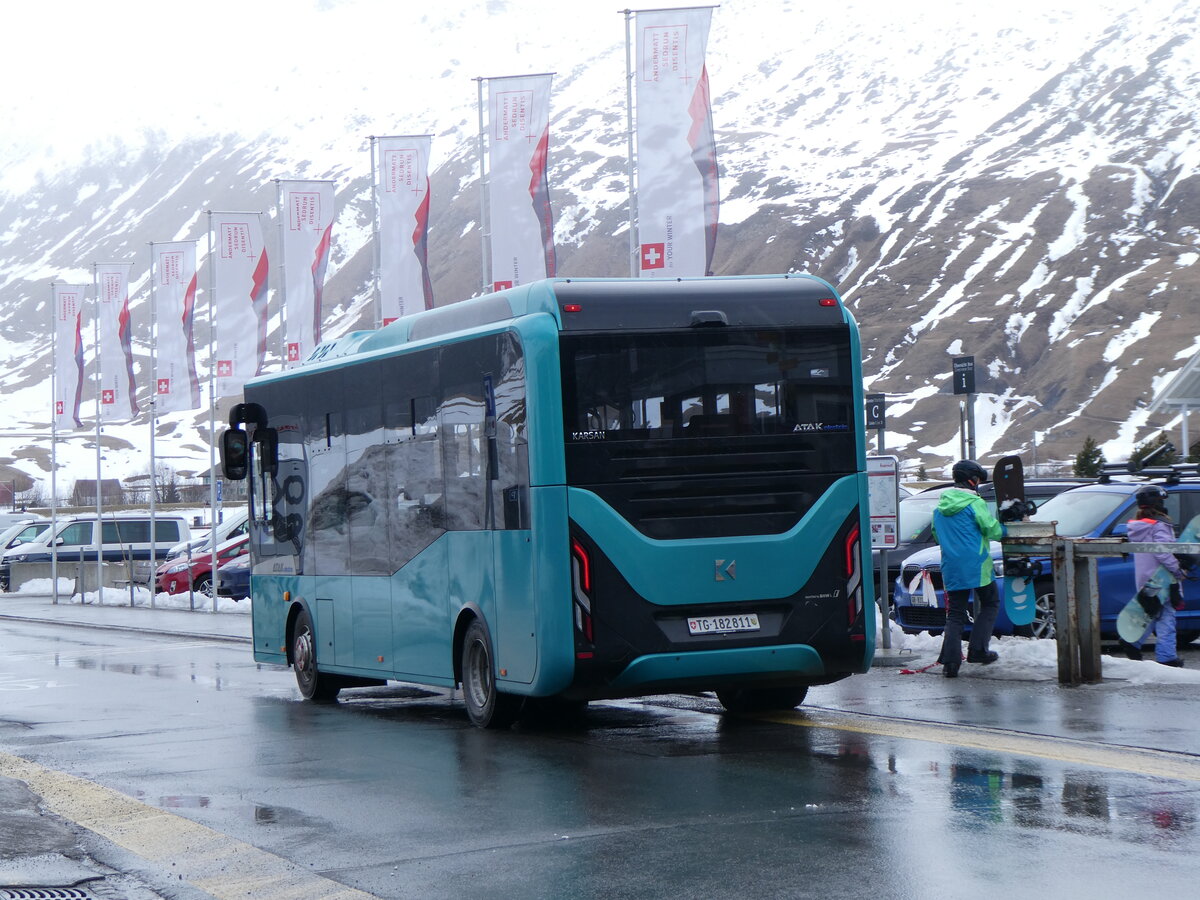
{"x": 522, "y": 225}
{"x": 239, "y": 298}
{"x": 677, "y": 195}
{"x": 402, "y": 194}
{"x": 306, "y": 221}
{"x": 68, "y": 353}
{"x": 118, "y": 402}
{"x": 173, "y": 268}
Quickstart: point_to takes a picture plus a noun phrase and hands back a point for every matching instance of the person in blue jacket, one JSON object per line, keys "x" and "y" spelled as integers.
{"x": 965, "y": 527}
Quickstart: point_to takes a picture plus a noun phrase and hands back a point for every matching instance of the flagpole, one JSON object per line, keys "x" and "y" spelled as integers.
{"x": 629, "y": 165}
{"x": 54, "y": 314}
{"x": 212, "y": 419}
{"x": 99, "y": 537}
{"x": 485, "y": 281}
{"x": 377, "y": 255}
{"x": 283, "y": 299}
{"x": 153, "y": 420}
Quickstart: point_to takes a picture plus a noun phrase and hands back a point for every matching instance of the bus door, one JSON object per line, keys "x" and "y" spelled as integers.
{"x": 483, "y": 442}
{"x": 365, "y": 513}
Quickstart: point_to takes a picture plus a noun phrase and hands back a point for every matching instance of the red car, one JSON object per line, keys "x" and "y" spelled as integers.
{"x": 178, "y": 575}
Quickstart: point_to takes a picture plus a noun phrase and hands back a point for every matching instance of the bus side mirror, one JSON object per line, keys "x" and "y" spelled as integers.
{"x": 235, "y": 446}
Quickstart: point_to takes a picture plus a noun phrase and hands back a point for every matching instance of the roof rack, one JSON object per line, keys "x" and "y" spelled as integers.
{"x": 1172, "y": 474}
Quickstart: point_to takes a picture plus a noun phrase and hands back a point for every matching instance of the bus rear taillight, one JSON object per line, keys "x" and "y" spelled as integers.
{"x": 581, "y": 586}
{"x": 854, "y": 582}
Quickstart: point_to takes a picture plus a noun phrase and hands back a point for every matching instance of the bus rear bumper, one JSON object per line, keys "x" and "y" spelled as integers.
{"x": 794, "y": 663}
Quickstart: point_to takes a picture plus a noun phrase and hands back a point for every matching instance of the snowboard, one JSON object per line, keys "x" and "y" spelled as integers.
{"x": 1133, "y": 619}
{"x": 1020, "y": 598}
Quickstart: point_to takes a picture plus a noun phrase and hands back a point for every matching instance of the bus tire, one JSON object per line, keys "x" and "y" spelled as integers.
{"x": 487, "y": 707}
{"x": 314, "y": 685}
{"x": 737, "y": 700}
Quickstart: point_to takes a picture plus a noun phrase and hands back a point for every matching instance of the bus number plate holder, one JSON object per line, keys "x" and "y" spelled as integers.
{"x": 723, "y": 624}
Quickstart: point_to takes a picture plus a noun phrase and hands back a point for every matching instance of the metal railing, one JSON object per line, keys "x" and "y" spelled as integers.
{"x": 1076, "y": 590}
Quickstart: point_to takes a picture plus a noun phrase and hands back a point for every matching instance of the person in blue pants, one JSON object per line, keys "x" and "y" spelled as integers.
{"x": 965, "y": 527}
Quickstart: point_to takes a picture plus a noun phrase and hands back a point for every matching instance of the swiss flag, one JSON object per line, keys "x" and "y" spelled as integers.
{"x": 164, "y": 385}
{"x": 501, "y": 285}
{"x": 224, "y": 368}
{"x": 58, "y": 408}
{"x": 654, "y": 256}
{"x": 293, "y": 353}
{"x": 107, "y": 398}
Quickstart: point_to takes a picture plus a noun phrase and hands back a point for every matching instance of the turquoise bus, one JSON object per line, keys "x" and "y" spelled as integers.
{"x": 574, "y": 489}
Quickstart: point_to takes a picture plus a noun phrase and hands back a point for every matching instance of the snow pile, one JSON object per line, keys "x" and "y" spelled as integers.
{"x": 141, "y": 597}
{"x": 1027, "y": 659}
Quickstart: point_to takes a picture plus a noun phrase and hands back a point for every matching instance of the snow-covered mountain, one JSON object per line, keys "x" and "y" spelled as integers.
{"x": 1018, "y": 183}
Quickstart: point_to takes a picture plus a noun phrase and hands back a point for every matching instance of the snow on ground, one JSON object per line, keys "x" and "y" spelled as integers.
{"x": 44, "y": 587}
{"x": 1026, "y": 659}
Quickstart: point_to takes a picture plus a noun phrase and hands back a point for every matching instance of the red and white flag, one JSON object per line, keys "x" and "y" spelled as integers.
{"x": 68, "y": 353}
{"x": 402, "y": 195}
{"x": 239, "y": 298}
{"x": 677, "y": 196}
{"x": 118, "y": 401}
{"x": 306, "y": 213}
{"x": 521, "y": 222}
{"x": 173, "y": 270}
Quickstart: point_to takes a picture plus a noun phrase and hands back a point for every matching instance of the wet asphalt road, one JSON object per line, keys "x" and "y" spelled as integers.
{"x": 392, "y": 794}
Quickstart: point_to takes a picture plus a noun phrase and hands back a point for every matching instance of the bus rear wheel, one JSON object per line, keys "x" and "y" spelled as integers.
{"x": 738, "y": 700}
{"x": 314, "y": 685}
{"x": 487, "y": 707}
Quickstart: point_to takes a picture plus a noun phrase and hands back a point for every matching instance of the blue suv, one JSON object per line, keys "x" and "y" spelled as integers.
{"x": 1090, "y": 511}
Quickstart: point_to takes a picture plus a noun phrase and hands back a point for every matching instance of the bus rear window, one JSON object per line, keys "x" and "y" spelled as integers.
{"x": 706, "y": 383}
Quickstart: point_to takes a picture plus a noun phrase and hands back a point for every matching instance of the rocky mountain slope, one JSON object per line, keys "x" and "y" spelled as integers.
{"x": 1017, "y": 184}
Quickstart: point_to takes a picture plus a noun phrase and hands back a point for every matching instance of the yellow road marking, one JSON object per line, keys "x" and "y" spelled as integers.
{"x": 205, "y": 858}
{"x": 1137, "y": 760}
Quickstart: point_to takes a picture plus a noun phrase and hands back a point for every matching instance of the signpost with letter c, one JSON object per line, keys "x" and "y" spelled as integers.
{"x": 877, "y": 417}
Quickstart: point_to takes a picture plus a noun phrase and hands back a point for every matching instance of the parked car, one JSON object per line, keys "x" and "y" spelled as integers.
{"x": 183, "y": 573}
{"x": 233, "y": 524}
{"x": 20, "y": 533}
{"x": 79, "y": 538}
{"x": 1090, "y": 511}
{"x": 234, "y": 580}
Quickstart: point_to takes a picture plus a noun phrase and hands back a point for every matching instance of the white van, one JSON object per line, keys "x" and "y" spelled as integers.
{"x": 123, "y": 537}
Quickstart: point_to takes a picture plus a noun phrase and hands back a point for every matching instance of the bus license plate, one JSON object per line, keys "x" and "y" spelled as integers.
{"x": 723, "y": 624}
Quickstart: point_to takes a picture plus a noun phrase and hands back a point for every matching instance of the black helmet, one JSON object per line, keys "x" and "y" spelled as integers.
{"x": 1152, "y": 496}
{"x": 968, "y": 470}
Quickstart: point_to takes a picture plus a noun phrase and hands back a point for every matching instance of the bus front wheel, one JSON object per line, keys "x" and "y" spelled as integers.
{"x": 738, "y": 700}
{"x": 314, "y": 685}
{"x": 487, "y": 707}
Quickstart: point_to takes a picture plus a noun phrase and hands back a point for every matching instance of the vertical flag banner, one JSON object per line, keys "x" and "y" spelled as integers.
{"x": 239, "y": 283}
{"x": 118, "y": 402}
{"x": 68, "y": 354}
{"x": 402, "y": 196}
{"x": 173, "y": 268}
{"x": 522, "y": 225}
{"x": 677, "y": 196}
{"x": 306, "y": 220}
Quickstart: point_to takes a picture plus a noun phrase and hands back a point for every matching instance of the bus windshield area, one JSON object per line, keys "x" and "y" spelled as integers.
{"x": 707, "y": 383}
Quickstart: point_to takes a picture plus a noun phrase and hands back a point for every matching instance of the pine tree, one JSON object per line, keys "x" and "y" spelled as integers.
{"x": 1090, "y": 460}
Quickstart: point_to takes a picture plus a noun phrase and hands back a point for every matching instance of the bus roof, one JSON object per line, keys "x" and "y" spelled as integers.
{"x": 583, "y": 304}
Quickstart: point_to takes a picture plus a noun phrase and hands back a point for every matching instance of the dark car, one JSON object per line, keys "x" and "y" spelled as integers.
{"x": 234, "y": 578}
{"x": 1090, "y": 511}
